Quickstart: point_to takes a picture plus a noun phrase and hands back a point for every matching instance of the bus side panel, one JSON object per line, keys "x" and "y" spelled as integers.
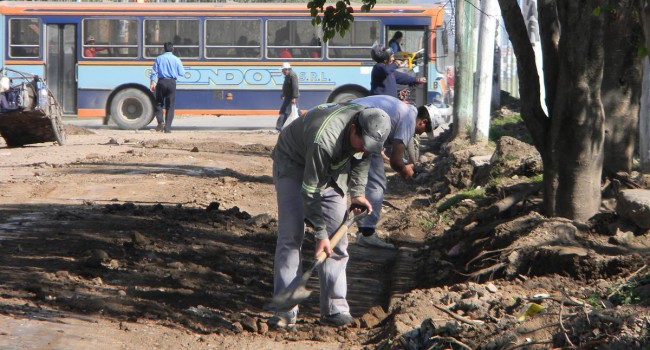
{"x": 228, "y": 88}
{"x": 92, "y": 103}
{"x": 437, "y": 84}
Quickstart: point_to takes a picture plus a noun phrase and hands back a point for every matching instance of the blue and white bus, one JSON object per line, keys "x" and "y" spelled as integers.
{"x": 97, "y": 57}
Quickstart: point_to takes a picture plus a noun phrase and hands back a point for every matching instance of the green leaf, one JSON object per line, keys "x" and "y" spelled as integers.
{"x": 642, "y": 51}
{"x": 596, "y": 11}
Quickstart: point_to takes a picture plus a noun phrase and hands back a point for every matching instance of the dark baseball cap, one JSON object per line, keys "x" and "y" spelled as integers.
{"x": 375, "y": 126}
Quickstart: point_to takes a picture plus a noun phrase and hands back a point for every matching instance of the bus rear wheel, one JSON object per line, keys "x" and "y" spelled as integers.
{"x": 131, "y": 109}
{"x": 347, "y": 96}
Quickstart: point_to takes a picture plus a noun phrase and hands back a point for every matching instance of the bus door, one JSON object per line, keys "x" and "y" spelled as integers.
{"x": 414, "y": 46}
{"x": 61, "y": 65}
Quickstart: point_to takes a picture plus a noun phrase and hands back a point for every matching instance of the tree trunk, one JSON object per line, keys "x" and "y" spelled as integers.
{"x": 575, "y": 147}
{"x": 644, "y": 115}
{"x": 621, "y": 86}
{"x": 570, "y": 139}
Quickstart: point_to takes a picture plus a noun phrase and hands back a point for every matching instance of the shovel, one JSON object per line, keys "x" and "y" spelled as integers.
{"x": 294, "y": 295}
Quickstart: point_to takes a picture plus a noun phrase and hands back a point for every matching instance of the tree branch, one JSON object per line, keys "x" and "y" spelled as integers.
{"x": 457, "y": 317}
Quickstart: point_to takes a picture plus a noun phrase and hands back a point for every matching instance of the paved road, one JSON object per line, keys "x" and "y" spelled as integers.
{"x": 194, "y": 122}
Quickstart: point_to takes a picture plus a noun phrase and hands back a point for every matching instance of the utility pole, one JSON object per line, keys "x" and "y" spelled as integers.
{"x": 465, "y": 55}
{"x": 485, "y": 64}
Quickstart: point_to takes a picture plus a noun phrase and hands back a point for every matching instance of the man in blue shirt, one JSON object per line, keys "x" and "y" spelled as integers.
{"x": 166, "y": 69}
{"x": 384, "y": 76}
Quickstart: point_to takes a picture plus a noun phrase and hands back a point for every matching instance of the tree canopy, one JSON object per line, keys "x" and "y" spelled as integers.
{"x": 337, "y": 18}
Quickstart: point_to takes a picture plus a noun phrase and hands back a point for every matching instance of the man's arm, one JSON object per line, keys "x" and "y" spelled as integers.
{"x": 405, "y": 79}
{"x": 397, "y": 160}
{"x": 181, "y": 69}
{"x": 154, "y": 75}
{"x": 316, "y": 161}
{"x": 295, "y": 86}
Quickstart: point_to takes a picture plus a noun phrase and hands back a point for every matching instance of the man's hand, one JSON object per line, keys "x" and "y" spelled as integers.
{"x": 361, "y": 201}
{"x": 384, "y": 156}
{"x": 152, "y": 86}
{"x": 407, "y": 171}
{"x": 323, "y": 245}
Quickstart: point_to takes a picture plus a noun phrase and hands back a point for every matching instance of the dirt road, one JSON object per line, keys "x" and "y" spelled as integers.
{"x": 142, "y": 240}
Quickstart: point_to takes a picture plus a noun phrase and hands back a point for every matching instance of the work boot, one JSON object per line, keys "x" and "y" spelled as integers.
{"x": 337, "y": 320}
{"x": 160, "y": 127}
{"x": 373, "y": 241}
{"x": 283, "y": 319}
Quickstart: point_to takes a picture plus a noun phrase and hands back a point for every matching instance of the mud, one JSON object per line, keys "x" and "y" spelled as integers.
{"x": 140, "y": 240}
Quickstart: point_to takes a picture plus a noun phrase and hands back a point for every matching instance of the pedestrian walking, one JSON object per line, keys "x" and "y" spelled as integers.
{"x": 290, "y": 95}
{"x": 317, "y": 160}
{"x": 166, "y": 69}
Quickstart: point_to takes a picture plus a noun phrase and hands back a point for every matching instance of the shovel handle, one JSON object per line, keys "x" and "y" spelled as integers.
{"x": 343, "y": 229}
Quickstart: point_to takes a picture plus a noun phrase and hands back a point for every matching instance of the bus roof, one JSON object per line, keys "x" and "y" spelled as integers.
{"x": 194, "y": 9}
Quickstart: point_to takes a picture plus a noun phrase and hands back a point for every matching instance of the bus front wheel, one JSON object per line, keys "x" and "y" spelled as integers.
{"x": 131, "y": 109}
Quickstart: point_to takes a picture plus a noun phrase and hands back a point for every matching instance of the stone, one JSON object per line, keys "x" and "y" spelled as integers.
{"x": 368, "y": 321}
{"x": 634, "y": 205}
{"x": 139, "y": 239}
{"x": 262, "y": 327}
{"x": 378, "y": 312}
{"x": 249, "y": 324}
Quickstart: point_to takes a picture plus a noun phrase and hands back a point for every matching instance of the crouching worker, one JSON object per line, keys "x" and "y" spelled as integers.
{"x": 406, "y": 122}
{"x": 316, "y": 159}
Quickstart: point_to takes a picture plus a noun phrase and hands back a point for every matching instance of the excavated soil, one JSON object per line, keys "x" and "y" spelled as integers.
{"x": 141, "y": 240}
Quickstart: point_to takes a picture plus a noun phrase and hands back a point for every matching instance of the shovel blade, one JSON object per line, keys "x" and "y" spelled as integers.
{"x": 288, "y": 298}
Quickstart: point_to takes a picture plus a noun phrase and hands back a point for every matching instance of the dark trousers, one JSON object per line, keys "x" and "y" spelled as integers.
{"x": 165, "y": 97}
{"x": 286, "y": 107}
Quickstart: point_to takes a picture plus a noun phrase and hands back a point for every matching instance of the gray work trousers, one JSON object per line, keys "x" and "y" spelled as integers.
{"x": 291, "y": 232}
{"x": 375, "y": 189}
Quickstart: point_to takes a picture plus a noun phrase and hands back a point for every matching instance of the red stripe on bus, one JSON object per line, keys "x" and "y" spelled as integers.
{"x": 88, "y": 113}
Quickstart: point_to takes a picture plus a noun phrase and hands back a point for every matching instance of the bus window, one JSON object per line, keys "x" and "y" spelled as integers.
{"x": 183, "y": 33}
{"x": 292, "y": 39}
{"x": 24, "y": 37}
{"x": 110, "y": 38}
{"x": 356, "y": 43}
{"x": 232, "y": 38}
{"x": 443, "y": 59}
